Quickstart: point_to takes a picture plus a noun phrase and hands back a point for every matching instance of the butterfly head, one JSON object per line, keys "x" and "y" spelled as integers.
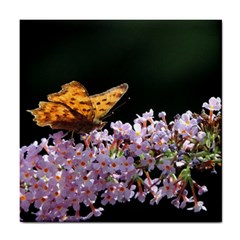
{"x": 99, "y": 125}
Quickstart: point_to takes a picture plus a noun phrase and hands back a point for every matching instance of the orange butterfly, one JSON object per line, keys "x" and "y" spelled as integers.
{"x": 73, "y": 109}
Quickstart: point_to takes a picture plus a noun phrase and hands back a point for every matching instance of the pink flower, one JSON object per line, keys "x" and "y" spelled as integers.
{"x": 166, "y": 167}
{"x": 141, "y": 196}
{"x": 25, "y": 200}
{"x": 58, "y": 177}
{"x": 148, "y": 161}
{"x": 214, "y": 104}
{"x": 198, "y": 207}
{"x": 124, "y": 193}
{"x": 108, "y": 198}
{"x": 127, "y": 164}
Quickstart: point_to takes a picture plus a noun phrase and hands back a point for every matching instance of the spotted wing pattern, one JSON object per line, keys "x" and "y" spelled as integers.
{"x": 104, "y": 102}
{"x": 72, "y": 109}
{"x": 57, "y": 116}
{"x": 75, "y": 96}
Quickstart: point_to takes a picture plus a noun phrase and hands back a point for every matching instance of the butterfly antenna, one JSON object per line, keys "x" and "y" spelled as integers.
{"x": 110, "y": 114}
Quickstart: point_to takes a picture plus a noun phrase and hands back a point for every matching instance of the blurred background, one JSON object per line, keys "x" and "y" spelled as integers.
{"x": 170, "y": 65}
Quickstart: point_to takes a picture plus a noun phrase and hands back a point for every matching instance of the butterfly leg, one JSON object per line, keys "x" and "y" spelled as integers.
{"x": 72, "y": 134}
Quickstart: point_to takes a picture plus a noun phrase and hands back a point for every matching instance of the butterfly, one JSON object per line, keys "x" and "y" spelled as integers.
{"x": 73, "y": 109}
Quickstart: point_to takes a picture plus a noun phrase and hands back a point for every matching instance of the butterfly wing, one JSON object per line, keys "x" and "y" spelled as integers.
{"x": 58, "y": 116}
{"x": 76, "y": 97}
{"x": 102, "y": 103}
{"x": 72, "y": 109}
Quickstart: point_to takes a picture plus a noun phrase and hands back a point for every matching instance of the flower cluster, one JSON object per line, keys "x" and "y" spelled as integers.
{"x": 59, "y": 177}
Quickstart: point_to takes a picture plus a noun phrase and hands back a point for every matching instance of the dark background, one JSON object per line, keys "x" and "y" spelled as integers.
{"x": 170, "y": 66}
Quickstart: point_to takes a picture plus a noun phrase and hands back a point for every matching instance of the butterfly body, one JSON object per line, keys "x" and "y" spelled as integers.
{"x": 73, "y": 109}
